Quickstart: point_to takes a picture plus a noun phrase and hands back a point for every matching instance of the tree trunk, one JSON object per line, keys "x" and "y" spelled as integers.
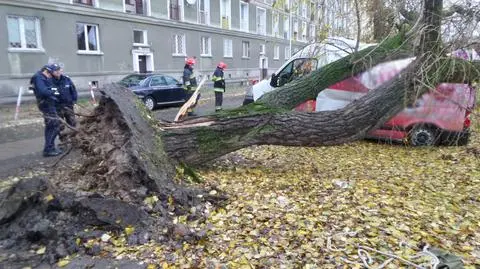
{"x": 201, "y": 140}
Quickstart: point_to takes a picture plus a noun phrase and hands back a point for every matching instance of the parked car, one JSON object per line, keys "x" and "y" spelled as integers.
{"x": 132, "y": 80}
{"x": 440, "y": 116}
{"x": 306, "y": 60}
{"x": 158, "y": 89}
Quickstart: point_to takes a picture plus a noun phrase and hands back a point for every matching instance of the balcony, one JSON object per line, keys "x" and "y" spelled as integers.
{"x": 225, "y": 22}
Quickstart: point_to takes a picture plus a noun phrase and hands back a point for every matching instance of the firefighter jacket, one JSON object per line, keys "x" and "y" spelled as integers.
{"x": 218, "y": 80}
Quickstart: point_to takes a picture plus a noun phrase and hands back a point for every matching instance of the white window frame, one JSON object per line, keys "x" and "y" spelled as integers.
{"x": 276, "y": 52}
{"x": 275, "y": 25}
{"x": 304, "y": 10}
{"x": 205, "y": 46}
{"x": 97, "y": 36}
{"x": 180, "y": 8}
{"x": 304, "y": 31}
{"x": 286, "y": 27}
{"x": 227, "y": 53}
{"x": 295, "y": 29}
{"x": 245, "y": 49}
{"x": 94, "y": 3}
{"x": 206, "y": 11}
{"x": 262, "y": 49}
{"x": 228, "y": 10}
{"x": 145, "y": 38}
{"x": 313, "y": 31}
{"x": 184, "y": 45}
{"x": 23, "y": 39}
{"x": 264, "y": 30}
{"x": 287, "y": 53}
{"x": 245, "y": 21}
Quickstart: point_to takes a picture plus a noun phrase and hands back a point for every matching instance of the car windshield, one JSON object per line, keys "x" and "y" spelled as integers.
{"x": 133, "y": 80}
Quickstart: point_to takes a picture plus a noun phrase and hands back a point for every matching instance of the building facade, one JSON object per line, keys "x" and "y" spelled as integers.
{"x": 101, "y": 41}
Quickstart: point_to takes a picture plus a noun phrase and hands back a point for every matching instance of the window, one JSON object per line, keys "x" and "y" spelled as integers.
{"x": 84, "y": 2}
{"x": 87, "y": 37}
{"x": 158, "y": 81}
{"x": 287, "y": 5}
{"x": 227, "y": 48}
{"x": 225, "y": 13}
{"x": 313, "y": 33}
{"x": 286, "y": 27}
{"x": 304, "y": 9}
{"x": 23, "y": 33}
{"x": 171, "y": 81}
{"x": 175, "y": 10}
{"x": 304, "y": 31}
{"x": 275, "y": 30}
{"x": 287, "y": 53}
{"x": 245, "y": 49}
{"x": 244, "y": 17}
{"x": 140, "y": 37}
{"x": 262, "y": 49}
{"x": 276, "y": 52}
{"x": 204, "y": 12}
{"x": 138, "y": 7}
{"x": 295, "y": 30}
{"x": 261, "y": 21}
{"x": 205, "y": 46}
{"x": 179, "y": 48}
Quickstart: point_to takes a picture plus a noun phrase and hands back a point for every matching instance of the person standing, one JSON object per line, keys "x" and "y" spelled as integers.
{"x": 47, "y": 98}
{"x": 219, "y": 85}
{"x": 190, "y": 83}
{"x": 67, "y": 98}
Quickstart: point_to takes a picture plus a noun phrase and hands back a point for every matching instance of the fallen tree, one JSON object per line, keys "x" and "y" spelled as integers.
{"x": 127, "y": 166}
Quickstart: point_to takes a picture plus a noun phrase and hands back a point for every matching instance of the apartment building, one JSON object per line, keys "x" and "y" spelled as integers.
{"x": 103, "y": 40}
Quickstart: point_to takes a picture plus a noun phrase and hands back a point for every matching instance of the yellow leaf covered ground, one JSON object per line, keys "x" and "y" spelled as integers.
{"x": 285, "y": 203}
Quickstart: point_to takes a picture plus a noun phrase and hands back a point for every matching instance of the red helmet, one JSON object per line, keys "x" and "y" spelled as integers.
{"x": 222, "y": 65}
{"x": 190, "y": 61}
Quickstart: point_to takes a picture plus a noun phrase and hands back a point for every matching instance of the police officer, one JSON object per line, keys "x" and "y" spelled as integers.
{"x": 219, "y": 85}
{"x": 67, "y": 98}
{"x": 190, "y": 82}
{"x": 47, "y": 97}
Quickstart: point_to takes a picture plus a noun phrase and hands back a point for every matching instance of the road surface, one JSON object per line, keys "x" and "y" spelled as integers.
{"x": 21, "y": 146}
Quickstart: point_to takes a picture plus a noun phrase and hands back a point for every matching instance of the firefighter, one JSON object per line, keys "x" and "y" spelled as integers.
{"x": 190, "y": 83}
{"x": 219, "y": 85}
{"x": 47, "y": 98}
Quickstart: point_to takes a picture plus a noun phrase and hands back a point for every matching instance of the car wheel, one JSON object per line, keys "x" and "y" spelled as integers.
{"x": 150, "y": 103}
{"x": 423, "y": 136}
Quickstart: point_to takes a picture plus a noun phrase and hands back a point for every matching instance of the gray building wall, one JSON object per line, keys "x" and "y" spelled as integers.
{"x": 58, "y": 35}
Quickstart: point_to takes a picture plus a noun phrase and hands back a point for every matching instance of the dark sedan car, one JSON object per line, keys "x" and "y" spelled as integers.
{"x": 157, "y": 89}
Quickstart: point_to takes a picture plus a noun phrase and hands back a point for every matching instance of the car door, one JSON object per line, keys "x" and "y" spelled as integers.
{"x": 160, "y": 90}
{"x": 178, "y": 93}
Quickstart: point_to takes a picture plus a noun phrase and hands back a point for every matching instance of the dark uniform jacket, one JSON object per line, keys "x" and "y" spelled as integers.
{"x": 42, "y": 87}
{"x": 68, "y": 92}
{"x": 189, "y": 79}
{"x": 218, "y": 80}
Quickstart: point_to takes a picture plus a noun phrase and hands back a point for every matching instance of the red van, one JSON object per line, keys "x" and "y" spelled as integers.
{"x": 441, "y": 116}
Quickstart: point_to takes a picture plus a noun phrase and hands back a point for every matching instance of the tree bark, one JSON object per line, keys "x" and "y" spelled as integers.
{"x": 201, "y": 140}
